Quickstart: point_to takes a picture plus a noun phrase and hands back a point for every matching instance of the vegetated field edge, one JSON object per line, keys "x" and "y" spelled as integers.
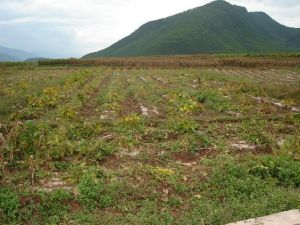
{"x": 186, "y": 61}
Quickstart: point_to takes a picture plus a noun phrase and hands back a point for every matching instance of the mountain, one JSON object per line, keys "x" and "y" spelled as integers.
{"x": 7, "y": 58}
{"x": 36, "y": 59}
{"x": 217, "y": 27}
{"x": 9, "y": 54}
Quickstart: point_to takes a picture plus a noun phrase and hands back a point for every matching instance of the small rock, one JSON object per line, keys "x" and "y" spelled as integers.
{"x": 295, "y": 109}
{"x": 131, "y": 154}
{"x": 142, "y": 78}
{"x": 166, "y": 191}
{"x": 144, "y": 110}
{"x": 233, "y": 113}
{"x": 190, "y": 164}
{"x": 103, "y": 117}
{"x": 197, "y": 196}
{"x": 242, "y": 145}
{"x": 162, "y": 153}
{"x": 155, "y": 110}
{"x": 280, "y": 142}
{"x": 108, "y": 137}
{"x": 279, "y": 104}
{"x": 54, "y": 184}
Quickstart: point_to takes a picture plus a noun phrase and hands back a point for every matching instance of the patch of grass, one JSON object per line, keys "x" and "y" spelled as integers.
{"x": 284, "y": 170}
{"x": 9, "y": 205}
{"x": 291, "y": 146}
{"x": 234, "y": 193}
{"x": 256, "y": 133}
{"x": 184, "y": 125}
{"x": 93, "y": 192}
{"x": 213, "y": 100}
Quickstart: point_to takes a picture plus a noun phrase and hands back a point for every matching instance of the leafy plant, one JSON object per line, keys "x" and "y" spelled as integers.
{"x": 285, "y": 170}
{"x": 214, "y": 100}
{"x": 93, "y": 192}
{"x": 185, "y": 125}
{"x": 9, "y": 204}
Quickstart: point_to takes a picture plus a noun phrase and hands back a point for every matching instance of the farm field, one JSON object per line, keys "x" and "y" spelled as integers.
{"x": 108, "y": 145}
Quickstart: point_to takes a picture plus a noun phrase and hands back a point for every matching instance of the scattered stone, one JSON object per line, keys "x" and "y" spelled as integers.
{"x": 53, "y": 184}
{"x": 144, "y": 110}
{"x": 159, "y": 79}
{"x": 155, "y": 110}
{"x": 108, "y": 137}
{"x": 279, "y": 104}
{"x": 166, "y": 191}
{"x": 128, "y": 153}
{"x": 242, "y": 145}
{"x": 295, "y": 109}
{"x": 233, "y": 113}
{"x": 148, "y": 112}
{"x": 197, "y": 196}
{"x": 190, "y": 164}
{"x": 280, "y": 142}
{"x": 162, "y": 153}
{"x": 195, "y": 84}
{"x": 106, "y": 115}
{"x": 103, "y": 117}
{"x": 142, "y": 78}
{"x": 284, "y": 218}
{"x": 276, "y": 103}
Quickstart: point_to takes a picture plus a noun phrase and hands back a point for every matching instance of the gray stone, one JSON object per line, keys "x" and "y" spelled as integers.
{"x": 284, "y": 218}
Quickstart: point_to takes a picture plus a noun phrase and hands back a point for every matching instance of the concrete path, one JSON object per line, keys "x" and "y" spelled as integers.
{"x": 284, "y": 218}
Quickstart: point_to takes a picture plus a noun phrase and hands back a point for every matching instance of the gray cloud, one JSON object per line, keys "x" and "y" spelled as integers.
{"x": 75, "y": 27}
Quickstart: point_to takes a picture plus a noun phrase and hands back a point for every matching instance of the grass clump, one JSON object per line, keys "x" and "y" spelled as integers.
{"x": 285, "y": 170}
{"x": 213, "y": 100}
{"x": 238, "y": 191}
{"x": 9, "y": 205}
{"x": 94, "y": 192}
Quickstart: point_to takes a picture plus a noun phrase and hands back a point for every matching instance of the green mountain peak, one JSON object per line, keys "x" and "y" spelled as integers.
{"x": 217, "y": 27}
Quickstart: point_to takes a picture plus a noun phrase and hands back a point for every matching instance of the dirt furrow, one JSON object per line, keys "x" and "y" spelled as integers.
{"x": 88, "y": 108}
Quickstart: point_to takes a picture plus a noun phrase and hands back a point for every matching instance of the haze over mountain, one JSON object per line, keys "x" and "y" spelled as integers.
{"x": 15, "y": 55}
{"x": 9, "y": 54}
{"x": 217, "y": 27}
{"x": 7, "y": 58}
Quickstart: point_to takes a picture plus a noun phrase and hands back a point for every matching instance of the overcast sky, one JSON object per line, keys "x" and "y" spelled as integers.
{"x": 77, "y": 27}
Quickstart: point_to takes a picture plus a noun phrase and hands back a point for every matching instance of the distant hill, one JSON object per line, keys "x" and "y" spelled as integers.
{"x": 7, "y": 58}
{"x": 36, "y": 59}
{"x": 9, "y": 54}
{"x": 217, "y": 27}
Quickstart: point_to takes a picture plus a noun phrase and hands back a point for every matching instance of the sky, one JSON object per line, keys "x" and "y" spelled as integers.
{"x": 73, "y": 28}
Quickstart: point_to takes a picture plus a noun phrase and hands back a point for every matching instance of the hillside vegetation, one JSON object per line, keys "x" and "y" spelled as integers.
{"x": 218, "y": 27}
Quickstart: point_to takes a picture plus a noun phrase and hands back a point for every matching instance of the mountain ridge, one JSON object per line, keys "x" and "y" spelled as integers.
{"x": 217, "y": 27}
{"x": 14, "y": 54}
